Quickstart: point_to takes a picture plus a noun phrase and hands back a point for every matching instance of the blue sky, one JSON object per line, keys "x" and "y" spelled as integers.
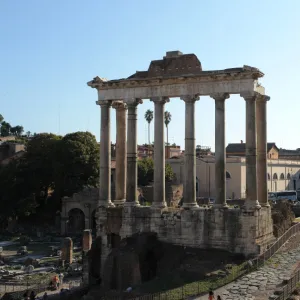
{"x": 51, "y": 48}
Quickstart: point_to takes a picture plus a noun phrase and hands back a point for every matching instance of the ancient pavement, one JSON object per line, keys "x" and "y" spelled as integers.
{"x": 261, "y": 284}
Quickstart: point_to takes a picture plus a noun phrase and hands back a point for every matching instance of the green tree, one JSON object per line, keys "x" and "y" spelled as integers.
{"x": 146, "y": 171}
{"x": 19, "y": 130}
{"x": 168, "y": 118}
{"x": 78, "y": 163}
{"x": 149, "y": 118}
{"x": 5, "y": 129}
{"x": 1, "y": 118}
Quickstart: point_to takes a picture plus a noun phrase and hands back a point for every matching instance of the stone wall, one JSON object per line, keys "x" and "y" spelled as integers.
{"x": 173, "y": 193}
{"x": 235, "y": 230}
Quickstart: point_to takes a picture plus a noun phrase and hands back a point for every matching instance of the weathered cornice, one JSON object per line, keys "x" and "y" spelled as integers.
{"x": 218, "y": 75}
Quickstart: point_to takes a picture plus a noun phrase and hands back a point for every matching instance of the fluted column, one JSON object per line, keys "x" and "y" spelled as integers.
{"x": 121, "y": 151}
{"x": 189, "y": 188}
{"x": 261, "y": 130}
{"x": 251, "y": 182}
{"x": 220, "y": 153}
{"x": 159, "y": 152}
{"x": 105, "y": 156}
{"x": 131, "y": 186}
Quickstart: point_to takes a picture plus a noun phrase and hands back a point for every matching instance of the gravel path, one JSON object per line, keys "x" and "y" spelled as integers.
{"x": 260, "y": 284}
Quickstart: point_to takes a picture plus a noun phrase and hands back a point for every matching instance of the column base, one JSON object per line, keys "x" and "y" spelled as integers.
{"x": 251, "y": 205}
{"x": 105, "y": 203}
{"x": 190, "y": 205}
{"x": 131, "y": 204}
{"x": 159, "y": 205}
{"x": 119, "y": 202}
{"x": 219, "y": 206}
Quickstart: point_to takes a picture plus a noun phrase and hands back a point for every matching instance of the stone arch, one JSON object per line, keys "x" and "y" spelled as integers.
{"x": 76, "y": 221}
{"x": 275, "y": 176}
{"x": 281, "y": 176}
{"x": 228, "y": 175}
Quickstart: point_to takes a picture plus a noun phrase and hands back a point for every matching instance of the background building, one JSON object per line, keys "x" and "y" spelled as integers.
{"x": 282, "y": 174}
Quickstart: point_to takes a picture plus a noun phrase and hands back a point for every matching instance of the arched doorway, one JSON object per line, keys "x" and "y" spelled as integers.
{"x": 76, "y": 221}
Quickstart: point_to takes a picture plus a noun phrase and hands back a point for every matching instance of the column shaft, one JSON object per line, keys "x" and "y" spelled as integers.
{"x": 159, "y": 153}
{"x": 131, "y": 187}
{"x": 261, "y": 129}
{"x": 121, "y": 152}
{"x": 220, "y": 153}
{"x": 189, "y": 188}
{"x": 251, "y": 182}
{"x": 105, "y": 156}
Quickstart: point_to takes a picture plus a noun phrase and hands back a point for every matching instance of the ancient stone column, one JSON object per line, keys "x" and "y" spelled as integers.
{"x": 121, "y": 151}
{"x": 105, "y": 156}
{"x": 86, "y": 240}
{"x": 159, "y": 190}
{"x": 189, "y": 186}
{"x": 251, "y": 183}
{"x": 131, "y": 187}
{"x": 220, "y": 153}
{"x": 86, "y": 247}
{"x": 67, "y": 250}
{"x": 261, "y": 130}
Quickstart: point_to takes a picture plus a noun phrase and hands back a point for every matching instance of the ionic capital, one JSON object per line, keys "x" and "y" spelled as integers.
{"x": 220, "y": 96}
{"x": 249, "y": 96}
{"x": 262, "y": 98}
{"x": 190, "y": 98}
{"x": 104, "y": 103}
{"x": 119, "y": 105}
{"x": 160, "y": 100}
{"x": 133, "y": 101}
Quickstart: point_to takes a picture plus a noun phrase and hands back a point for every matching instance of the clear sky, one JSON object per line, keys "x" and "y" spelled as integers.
{"x": 49, "y": 49}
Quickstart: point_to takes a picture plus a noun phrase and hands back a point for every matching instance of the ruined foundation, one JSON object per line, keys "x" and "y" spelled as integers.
{"x": 235, "y": 230}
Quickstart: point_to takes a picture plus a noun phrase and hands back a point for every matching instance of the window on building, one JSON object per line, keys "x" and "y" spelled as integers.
{"x": 281, "y": 176}
{"x": 288, "y": 176}
{"x": 269, "y": 177}
{"x": 275, "y": 177}
{"x": 228, "y": 176}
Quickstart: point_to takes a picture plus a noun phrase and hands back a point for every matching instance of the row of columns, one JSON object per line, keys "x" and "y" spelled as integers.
{"x": 126, "y": 152}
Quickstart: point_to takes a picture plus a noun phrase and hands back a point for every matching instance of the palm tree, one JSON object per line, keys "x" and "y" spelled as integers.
{"x": 149, "y": 118}
{"x": 168, "y": 118}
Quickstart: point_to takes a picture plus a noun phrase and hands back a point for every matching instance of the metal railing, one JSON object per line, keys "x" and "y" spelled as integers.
{"x": 17, "y": 290}
{"x": 288, "y": 288}
{"x": 201, "y": 287}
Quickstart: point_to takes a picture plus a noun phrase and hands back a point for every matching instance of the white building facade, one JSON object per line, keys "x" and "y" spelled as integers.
{"x": 282, "y": 175}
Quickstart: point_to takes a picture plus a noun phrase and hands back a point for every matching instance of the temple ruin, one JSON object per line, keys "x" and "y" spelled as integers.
{"x": 247, "y": 230}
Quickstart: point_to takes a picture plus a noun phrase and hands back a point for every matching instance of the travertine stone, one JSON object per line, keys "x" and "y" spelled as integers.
{"x": 86, "y": 240}
{"x": 220, "y": 154}
{"x": 131, "y": 187}
{"x": 121, "y": 152}
{"x": 105, "y": 156}
{"x": 251, "y": 183}
{"x": 189, "y": 187}
{"x": 159, "y": 152}
{"x": 261, "y": 128}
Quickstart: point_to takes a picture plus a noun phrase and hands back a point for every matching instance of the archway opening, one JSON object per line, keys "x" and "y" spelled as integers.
{"x": 148, "y": 266}
{"x": 76, "y": 221}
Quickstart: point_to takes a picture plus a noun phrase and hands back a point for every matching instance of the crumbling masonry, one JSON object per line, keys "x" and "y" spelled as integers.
{"x": 247, "y": 230}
